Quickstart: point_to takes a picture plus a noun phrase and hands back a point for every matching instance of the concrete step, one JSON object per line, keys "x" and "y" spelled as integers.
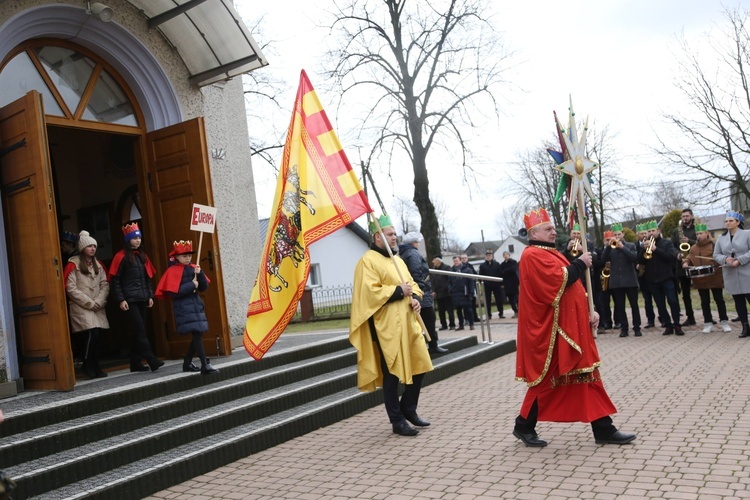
{"x": 137, "y": 449}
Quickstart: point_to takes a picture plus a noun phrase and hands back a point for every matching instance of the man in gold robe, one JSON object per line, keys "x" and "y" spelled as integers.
{"x": 385, "y": 331}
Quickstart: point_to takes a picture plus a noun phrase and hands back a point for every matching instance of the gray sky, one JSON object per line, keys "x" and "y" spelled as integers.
{"x": 614, "y": 57}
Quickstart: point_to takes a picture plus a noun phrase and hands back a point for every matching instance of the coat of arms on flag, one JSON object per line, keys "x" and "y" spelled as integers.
{"x": 317, "y": 193}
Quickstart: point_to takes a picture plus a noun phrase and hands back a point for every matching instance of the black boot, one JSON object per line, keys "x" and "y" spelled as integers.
{"x": 188, "y": 366}
{"x": 207, "y": 369}
{"x": 745, "y": 332}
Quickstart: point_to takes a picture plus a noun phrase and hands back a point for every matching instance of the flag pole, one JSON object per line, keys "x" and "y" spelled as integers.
{"x": 388, "y": 247}
{"x": 589, "y": 290}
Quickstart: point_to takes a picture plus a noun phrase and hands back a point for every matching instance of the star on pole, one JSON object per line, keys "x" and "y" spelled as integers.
{"x": 577, "y": 166}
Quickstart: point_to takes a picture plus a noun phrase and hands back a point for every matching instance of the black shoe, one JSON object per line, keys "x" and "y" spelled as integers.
{"x": 607, "y": 326}
{"x": 404, "y": 429}
{"x": 442, "y": 328}
{"x": 101, "y": 374}
{"x": 617, "y": 326}
{"x": 190, "y": 367}
{"x": 451, "y": 328}
{"x": 649, "y": 325}
{"x": 735, "y": 320}
{"x": 678, "y": 330}
{"x": 155, "y": 366}
{"x": 89, "y": 372}
{"x": 530, "y": 439}
{"x": 415, "y": 420}
{"x": 138, "y": 368}
{"x": 438, "y": 350}
{"x": 688, "y": 322}
{"x": 616, "y": 438}
{"x": 668, "y": 331}
{"x": 207, "y": 369}
{"x": 637, "y": 332}
{"x": 624, "y": 333}
{"x": 745, "y": 331}
{"x": 459, "y": 328}
{"x": 501, "y": 317}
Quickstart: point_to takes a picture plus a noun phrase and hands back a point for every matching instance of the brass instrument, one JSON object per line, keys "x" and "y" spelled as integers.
{"x": 649, "y": 249}
{"x": 685, "y": 246}
{"x": 606, "y": 273}
{"x": 613, "y": 243}
{"x": 574, "y": 250}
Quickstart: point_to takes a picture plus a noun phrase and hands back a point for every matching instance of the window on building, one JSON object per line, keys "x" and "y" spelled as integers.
{"x": 313, "y": 278}
{"x": 510, "y": 249}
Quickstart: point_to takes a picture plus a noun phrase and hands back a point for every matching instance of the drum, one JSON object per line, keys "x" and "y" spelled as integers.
{"x": 699, "y": 271}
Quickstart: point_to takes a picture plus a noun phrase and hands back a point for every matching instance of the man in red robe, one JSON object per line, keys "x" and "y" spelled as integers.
{"x": 556, "y": 352}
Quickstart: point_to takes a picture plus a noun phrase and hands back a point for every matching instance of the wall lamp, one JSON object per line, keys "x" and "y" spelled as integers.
{"x": 100, "y": 11}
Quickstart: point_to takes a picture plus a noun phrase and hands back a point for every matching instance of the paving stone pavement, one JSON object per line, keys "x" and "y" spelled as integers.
{"x": 687, "y": 398}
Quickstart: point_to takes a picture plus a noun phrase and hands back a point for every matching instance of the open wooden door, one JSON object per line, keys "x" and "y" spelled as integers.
{"x": 31, "y": 235}
{"x": 178, "y": 176}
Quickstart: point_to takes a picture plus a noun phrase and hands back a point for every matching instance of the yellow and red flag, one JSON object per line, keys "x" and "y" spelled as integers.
{"x": 317, "y": 193}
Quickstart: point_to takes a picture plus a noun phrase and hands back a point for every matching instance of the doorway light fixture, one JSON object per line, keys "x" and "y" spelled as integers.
{"x": 100, "y": 11}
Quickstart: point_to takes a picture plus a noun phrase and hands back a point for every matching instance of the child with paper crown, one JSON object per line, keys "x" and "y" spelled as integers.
{"x": 181, "y": 282}
{"x": 131, "y": 272}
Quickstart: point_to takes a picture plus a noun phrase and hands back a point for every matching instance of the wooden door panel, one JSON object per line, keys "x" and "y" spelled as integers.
{"x": 31, "y": 237}
{"x": 177, "y": 162}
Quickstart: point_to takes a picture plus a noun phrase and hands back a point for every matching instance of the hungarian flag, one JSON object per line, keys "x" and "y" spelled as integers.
{"x": 317, "y": 193}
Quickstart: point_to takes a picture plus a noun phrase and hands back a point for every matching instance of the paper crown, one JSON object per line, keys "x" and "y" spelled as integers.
{"x": 609, "y": 234}
{"x": 384, "y": 221}
{"x": 735, "y": 215}
{"x": 576, "y": 227}
{"x": 69, "y": 237}
{"x": 181, "y": 247}
{"x": 651, "y": 225}
{"x": 639, "y": 228}
{"x": 131, "y": 231}
{"x": 700, "y": 227}
{"x": 535, "y": 217}
{"x": 617, "y": 226}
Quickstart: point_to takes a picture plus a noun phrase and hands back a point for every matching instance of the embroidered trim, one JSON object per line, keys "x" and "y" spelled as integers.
{"x": 582, "y": 376}
{"x": 555, "y": 330}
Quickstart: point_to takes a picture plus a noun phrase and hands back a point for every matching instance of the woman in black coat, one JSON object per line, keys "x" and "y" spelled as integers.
{"x": 509, "y": 274}
{"x": 462, "y": 292}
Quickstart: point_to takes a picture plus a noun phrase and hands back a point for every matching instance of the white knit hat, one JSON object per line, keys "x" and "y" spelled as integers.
{"x": 84, "y": 240}
{"x": 412, "y": 237}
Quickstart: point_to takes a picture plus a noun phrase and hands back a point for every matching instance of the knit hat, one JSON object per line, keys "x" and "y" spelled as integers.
{"x": 412, "y": 237}
{"x": 131, "y": 231}
{"x": 84, "y": 240}
{"x": 69, "y": 237}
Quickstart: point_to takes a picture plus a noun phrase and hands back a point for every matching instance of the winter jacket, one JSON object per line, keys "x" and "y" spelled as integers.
{"x": 706, "y": 251}
{"x": 85, "y": 291}
{"x": 440, "y": 283}
{"x": 131, "y": 282}
{"x": 462, "y": 289}
{"x": 491, "y": 268}
{"x": 736, "y": 279}
{"x": 660, "y": 267}
{"x": 622, "y": 265}
{"x": 419, "y": 270}
{"x": 188, "y": 307}
{"x": 509, "y": 274}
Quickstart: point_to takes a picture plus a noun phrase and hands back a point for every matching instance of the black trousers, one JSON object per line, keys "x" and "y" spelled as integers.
{"x": 140, "y": 347}
{"x": 740, "y": 303}
{"x": 428, "y": 317}
{"x": 397, "y": 409}
{"x": 92, "y": 349}
{"x": 445, "y": 307}
{"x": 632, "y": 294}
{"x": 718, "y": 293}
{"x": 648, "y": 301}
{"x": 664, "y": 293}
{"x": 685, "y": 287}
{"x": 196, "y": 348}
{"x": 497, "y": 291}
{"x": 602, "y": 427}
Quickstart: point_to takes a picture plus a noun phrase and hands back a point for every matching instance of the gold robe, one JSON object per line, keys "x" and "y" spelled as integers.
{"x": 396, "y": 324}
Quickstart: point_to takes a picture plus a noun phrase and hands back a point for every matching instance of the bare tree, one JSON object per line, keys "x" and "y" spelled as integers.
{"x": 667, "y": 195}
{"x": 713, "y": 147}
{"x": 535, "y": 183}
{"x": 428, "y": 70}
{"x": 406, "y": 212}
{"x": 262, "y": 91}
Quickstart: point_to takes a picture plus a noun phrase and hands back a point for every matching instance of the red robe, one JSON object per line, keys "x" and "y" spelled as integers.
{"x": 556, "y": 352}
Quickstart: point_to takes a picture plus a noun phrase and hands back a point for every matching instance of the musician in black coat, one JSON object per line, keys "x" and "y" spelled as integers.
{"x": 659, "y": 275}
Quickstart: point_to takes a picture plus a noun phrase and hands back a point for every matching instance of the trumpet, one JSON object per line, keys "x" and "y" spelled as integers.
{"x": 574, "y": 250}
{"x": 649, "y": 249}
{"x": 613, "y": 243}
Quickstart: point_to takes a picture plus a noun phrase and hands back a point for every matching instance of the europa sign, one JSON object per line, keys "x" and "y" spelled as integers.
{"x": 203, "y": 218}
